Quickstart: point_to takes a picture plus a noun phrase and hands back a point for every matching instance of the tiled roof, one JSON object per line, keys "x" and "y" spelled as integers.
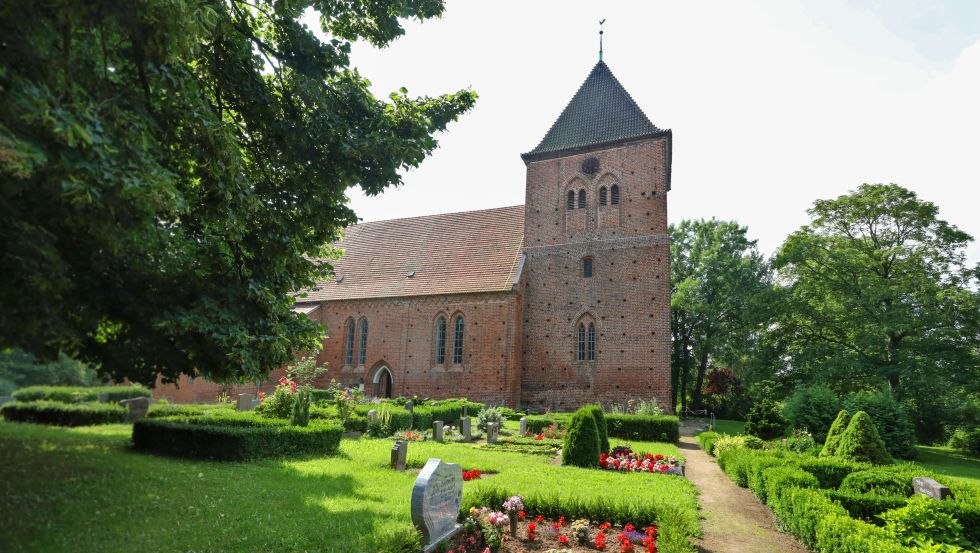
{"x": 601, "y": 112}
{"x": 451, "y": 253}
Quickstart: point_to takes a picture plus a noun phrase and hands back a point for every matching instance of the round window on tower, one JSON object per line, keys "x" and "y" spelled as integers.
{"x": 590, "y": 165}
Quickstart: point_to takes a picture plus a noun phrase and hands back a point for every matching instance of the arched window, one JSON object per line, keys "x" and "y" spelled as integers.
{"x": 362, "y": 353}
{"x": 458, "y": 341}
{"x": 581, "y": 199}
{"x": 349, "y": 344}
{"x": 440, "y": 341}
{"x": 591, "y": 344}
{"x": 581, "y": 341}
{"x": 587, "y": 267}
{"x": 602, "y": 195}
{"x": 614, "y": 194}
{"x": 571, "y": 199}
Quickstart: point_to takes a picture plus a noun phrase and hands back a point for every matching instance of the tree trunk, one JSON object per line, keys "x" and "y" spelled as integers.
{"x": 699, "y": 382}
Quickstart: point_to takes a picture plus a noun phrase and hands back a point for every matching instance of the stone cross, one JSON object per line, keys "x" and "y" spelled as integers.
{"x": 930, "y": 488}
{"x": 399, "y": 453}
{"x": 492, "y": 432}
{"x": 138, "y": 406}
{"x": 437, "y": 431}
{"x": 246, "y": 402}
{"x": 523, "y": 426}
{"x": 436, "y": 497}
{"x": 466, "y": 427}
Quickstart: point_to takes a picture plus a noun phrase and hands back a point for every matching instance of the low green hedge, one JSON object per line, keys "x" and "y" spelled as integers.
{"x": 537, "y": 423}
{"x": 188, "y": 409}
{"x": 64, "y": 414}
{"x": 879, "y": 481}
{"x": 79, "y": 394}
{"x": 234, "y": 437}
{"x": 800, "y": 511}
{"x": 648, "y": 428}
{"x": 778, "y": 478}
{"x": 707, "y": 441}
{"x": 967, "y": 512}
{"x": 838, "y": 533}
{"x": 830, "y": 471}
{"x": 448, "y": 411}
{"x": 866, "y": 505}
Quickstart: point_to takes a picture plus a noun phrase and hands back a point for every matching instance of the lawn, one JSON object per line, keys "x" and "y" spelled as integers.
{"x": 83, "y": 490}
{"x": 945, "y": 460}
{"x": 728, "y": 427}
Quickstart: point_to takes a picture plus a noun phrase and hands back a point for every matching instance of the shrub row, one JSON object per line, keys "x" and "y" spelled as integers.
{"x": 188, "y": 409}
{"x": 537, "y": 423}
{"x": 234, "y": 437}
{"x": 79, "y": 394}
{"x": 707, "y": 441}
{"x": 648, "y": 428}
{"x": 448, "y": 411}
{"x": 63, "y": 414}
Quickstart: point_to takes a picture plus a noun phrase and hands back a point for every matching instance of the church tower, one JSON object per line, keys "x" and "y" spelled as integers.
{"x": 596, "y": 275}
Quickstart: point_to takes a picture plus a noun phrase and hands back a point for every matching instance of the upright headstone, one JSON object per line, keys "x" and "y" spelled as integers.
{"x": 436, "y": 498}
{"x": 399, "y": 452}
{"x": 465, "y": 411}
{"x": 103, "y": 397}
{"x": 138, "y": 406}
{"x": 523, "y": 426}
{"x": 492, "y": 432}
{"x": 930, "y": 488}
{"x": 409, "y": 406}
{"x": 246, "y": 402}
{"x": 466, "y": 427}
{"x": 372, "y": 416}
{"x": 437, "y": 430}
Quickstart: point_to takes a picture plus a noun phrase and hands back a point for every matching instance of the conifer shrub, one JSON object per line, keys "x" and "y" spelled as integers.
{"x": 765, "y": 420}
{"x": 600, "y": 424}
{"x": 814, "y": 409}
{"x": 890, "y": 418}
{"x": 581, "y": 448}
{"x": 861, "y": 442}
{"x": 834, "y": 433}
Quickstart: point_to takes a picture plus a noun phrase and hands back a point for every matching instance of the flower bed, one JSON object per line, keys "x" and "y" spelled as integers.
{"x": 471, "y": 475}
{"x": 622, "y": 458}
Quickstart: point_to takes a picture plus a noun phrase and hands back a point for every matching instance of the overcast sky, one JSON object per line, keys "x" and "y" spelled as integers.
{"x": 773, "y": 104}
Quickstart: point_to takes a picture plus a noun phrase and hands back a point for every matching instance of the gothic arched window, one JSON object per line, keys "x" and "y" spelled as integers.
{"x": 591, "y": 344}
{"x": 581, "y": 198}
{"x": 440, "y": 341}
{"x": 362, "y": 353}
{"x": 614, "y": 194}
{"x": 458, "y": 340}
{"x": 571, "y": 199}
{"x": 587, "y": 267}
{"x": 602, "y": 195}
{"x": 581, "y": 341}
{"x": 349, "y": 343}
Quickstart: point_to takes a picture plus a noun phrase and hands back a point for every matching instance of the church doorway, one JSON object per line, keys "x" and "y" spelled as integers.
{"x": 383, "y": 383}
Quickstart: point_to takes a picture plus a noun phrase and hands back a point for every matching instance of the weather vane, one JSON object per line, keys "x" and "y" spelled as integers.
{"x": 600, "y": 39}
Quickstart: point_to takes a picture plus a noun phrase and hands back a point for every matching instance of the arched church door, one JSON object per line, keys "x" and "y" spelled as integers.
{"x": 383, "y": 383}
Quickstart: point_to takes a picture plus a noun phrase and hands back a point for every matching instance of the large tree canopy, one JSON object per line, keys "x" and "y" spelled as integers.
{"x": 878, "y": 293}
{"x": 171, "y": 171}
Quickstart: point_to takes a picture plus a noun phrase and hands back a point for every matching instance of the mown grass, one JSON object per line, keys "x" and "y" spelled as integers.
{"x": 731, "y": 428}
{"x": 83, "y": 489}
{"x": 945, "y": 460}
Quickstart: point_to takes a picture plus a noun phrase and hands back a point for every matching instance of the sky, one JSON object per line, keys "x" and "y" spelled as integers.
{"x": 773, "y": 103}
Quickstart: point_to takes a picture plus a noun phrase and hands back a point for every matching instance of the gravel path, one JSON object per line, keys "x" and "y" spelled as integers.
{"x": 734, "y": 519}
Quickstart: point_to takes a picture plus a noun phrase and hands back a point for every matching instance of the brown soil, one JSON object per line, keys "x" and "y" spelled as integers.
{"x": 734, "y": 519}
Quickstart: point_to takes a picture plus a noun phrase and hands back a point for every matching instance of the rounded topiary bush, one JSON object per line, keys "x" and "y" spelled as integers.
{"x": 879, "y": 481}
{"x": 890, "y": 418}
{"x": 765, "y": 420}
{"x": 600, "y": 424}
{"x": 861, "y": 442}
{"x": 814, "y": 409}
{"x": 833, "y": 435}
{"x": 581, "y": 448}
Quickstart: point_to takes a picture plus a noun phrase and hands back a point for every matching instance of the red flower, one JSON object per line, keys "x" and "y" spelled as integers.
{"x": 539, "y": 437}
{"x": 532, "y": 528}
{"x": 600, "y": 541}
{"x": 539, "y": 519}
{"x": 650, "y": 544}
{"x": 651, "y": 531}
{"x": 563, "y": 539}
{"x": 604, "y": 526}
{"x": 562, "y": 521}
{"x": 556, "y": 525}
{"x": 520, "y": 515}
{"x": 625, "y": 545}
{"x": 629, "y": 528}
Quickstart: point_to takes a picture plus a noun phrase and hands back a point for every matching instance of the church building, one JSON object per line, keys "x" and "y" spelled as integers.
{"x": 558, "y": 302}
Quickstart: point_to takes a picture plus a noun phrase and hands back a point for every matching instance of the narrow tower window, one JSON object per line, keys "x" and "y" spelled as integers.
{"x": 581, "y": 341}
{"x": 587, "y": 267}
{"x": 362, "y": 354}
{"x": 458, "y": 341}
{"x": 349, "y": 344}
{"x": 602, "y": 195}
{"x": 581, "y": 199}
{"x": 591, "y": 341}
{"x": 614, "y": 194}
{"x": 571, "y": 199}
{"x": 441, "y": 341}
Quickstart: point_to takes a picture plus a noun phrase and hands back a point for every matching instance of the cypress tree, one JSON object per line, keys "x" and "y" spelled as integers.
{"x": 600, "y": 424}
{"x": 833, "y": 435}
{"x": 861, "y": 442}
{"x": 581, "y": 447}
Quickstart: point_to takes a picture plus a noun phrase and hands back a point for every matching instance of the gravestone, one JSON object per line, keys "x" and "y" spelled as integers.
{"x": 930, "y": 488}
{"x": 246, "y": 402}
{"x": 466, "y": 427}
{"x": 436, "y": 498}
{"x": 523, "y": 426}
{"x": 675, "y": 469}
{"x": 138, "y": 406}
{"x": 465, "y": 412}
{"x": 409, "y": 406}
{"x": 492, "y": 432}
{"x": 103, "y": 397}
{"x": 399, "y": 453}
{"x": 437, "y": 431}
{"x": 372, "y": 416}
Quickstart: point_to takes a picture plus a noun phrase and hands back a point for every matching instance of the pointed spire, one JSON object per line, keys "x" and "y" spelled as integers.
{"x": 600, "y": 39}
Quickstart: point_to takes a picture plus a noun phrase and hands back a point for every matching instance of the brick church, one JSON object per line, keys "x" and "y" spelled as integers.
{"x": 551, "y": 304}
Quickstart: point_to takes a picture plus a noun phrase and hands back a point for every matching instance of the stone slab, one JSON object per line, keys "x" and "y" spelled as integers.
{"x": 930, "y": 488}
{"x": 436, "y": 497}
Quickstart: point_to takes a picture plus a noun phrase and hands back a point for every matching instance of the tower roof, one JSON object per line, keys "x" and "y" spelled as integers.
{"x": 600, "y": 113}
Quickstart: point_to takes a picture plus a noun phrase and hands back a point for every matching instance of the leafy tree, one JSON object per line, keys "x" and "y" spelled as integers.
{"x": 172, "y": 172}
{"x": 837, "y": 428}
{"x": 19, "y": 369}
{"x": 860, "y": 442}
{"x": 717, "y": 278}
{"x": 765, "y": 420}
{"x": 878, "y": 293}
{"x": 581, "y": 448}
{"x": 813, "y": 408}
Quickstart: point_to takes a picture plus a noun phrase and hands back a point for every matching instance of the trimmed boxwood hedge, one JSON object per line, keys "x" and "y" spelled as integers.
{"x": 234, "y": 437}
{"x": 188, "y": 409}
{"x": 707, "y": 441}
{"x": 63, "y": 414}
{"x": 79, "y": 394}
{"x": 648, "y": 428}
{"x": 866, "y": 505}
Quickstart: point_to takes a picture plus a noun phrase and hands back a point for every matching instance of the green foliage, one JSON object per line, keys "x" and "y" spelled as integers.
{"x": 537, "y": 423}
{"x": 866, "y": 506}
{"x": 890, "y": 418}
{"x": 838, "y": 533}
{"x": 488, "y": 415}
{"x": 63, "y": 414}
{"x": 881, "y": 481}
{"x": 74, "y": 394}
{"x": 777, "y": 479}
{"x": 861, "y": 442}
{"x": 301, "y": 409}
{"x": 813, "y": 408}
{"x": 174, "y": 171}
{"x": 801, "y": 510}
{"x": 802, "y": 442}
{"x": 19, "y": 368}
{"x": 836, "y": 430}
{"x": 966, "y": 440}
{"x": 600, "y": 424}
{"x": 707, "y": 441}
{"x": 765, "y": 420}
{"x": 651, "y": 428}
{"x": 278, "y": 405}
{"x": 449, "y": 411}
{"x": 726, "y": 443}
{"x": 922, "y": 521}
{"x": 830, "y": 471}
{"x": 158, "y": 410}
{"x": 305, "y": 371}
{"x": 235, "y": 437}
{"x": 581, "y": 448}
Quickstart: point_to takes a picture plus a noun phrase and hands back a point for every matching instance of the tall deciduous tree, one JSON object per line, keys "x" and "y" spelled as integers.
{"x": 879, "y": 294}
{"x": 171, "y": 171}
{"x": 718, "y": 280}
